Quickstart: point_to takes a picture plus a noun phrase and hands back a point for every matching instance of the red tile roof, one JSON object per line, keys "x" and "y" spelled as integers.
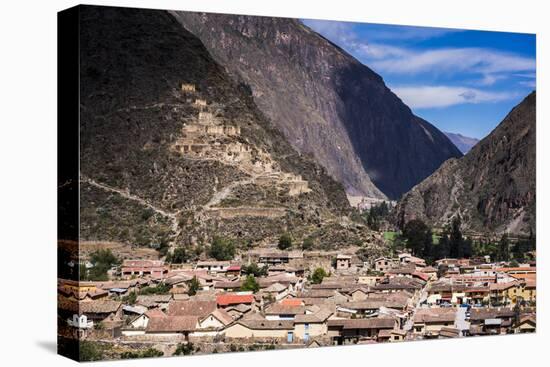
{"x": 234, "y": 299}
{"x": 292, "y": 302}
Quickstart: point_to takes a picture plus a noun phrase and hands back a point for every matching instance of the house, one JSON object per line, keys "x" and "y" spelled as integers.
{"x": 397, "y": 335}
{"x": 173, "y": 326}
{"x": 234, "y": 299}
{"x": 286, "y": 270}
{"x": 277, "y": 291}
{"x": 199, "y": 308}
{"x": 86, "y": 315}
{"x": 213, "y": 266}
{"x": 292, "y": 302}
{"x": 406, "y": 258}
{"x": 476, "y": 295}
{"x": 371, "y": 306}
{"x": 279, "y": 311}
{"x": 238, "y": 311}
{"x": 261, "y": 329}
{"x": 81, "y": 291}
{"x": 526, "y": 324}
{"x": 233, "y": 271}
{"x": 154, "y": 268}
{"x": 346, "y": 331}
{"x": 359, "y": 294}
{"x": 343, "y": 262}
{"x": 449, "y": 332}
{"x": 446, "y": 292}
{"x": 402, "y": 271}
{"x": 399, "y": 284}
{"x": 505, "y": 293}
{"x": 154, "y": 300}
{"x": 307, "y": 326}
{"x": 138, "y": 325}
{"x": 430, "y": 271}
{"x": 274, "y": 258}
{"x": 428, "y": 322}
{"x": 490, "y": 321}
{"x": 369, "y": 280}
{"x": 383, "y": 264}
{"x": 233, "y": 285}
{"x": 213, "y": 323}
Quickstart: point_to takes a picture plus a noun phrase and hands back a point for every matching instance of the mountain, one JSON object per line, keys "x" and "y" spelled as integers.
{"x": 326, "y": 103}
{"x": 174, "y": 151}
{"x": 463, "y": 143}
{"x": 492, "y": 187}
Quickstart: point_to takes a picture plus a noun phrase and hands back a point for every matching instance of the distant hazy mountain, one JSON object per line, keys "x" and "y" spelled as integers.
{"x": 492, "y": 187}
{"x": 463, "y": 143}
{"x": 328, "y": 104}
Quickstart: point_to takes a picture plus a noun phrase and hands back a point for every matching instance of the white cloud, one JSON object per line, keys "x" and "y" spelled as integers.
{"x": 445, "y": 96}
{"x": 529, "y": 83}
{"x": 473, "y": 60}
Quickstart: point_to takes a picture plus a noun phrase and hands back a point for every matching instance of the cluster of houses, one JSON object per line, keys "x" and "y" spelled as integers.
{"x": 388, "y": 300}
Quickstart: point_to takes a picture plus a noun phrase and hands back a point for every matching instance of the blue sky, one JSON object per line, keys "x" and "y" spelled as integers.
{"x": 461, "y": 81}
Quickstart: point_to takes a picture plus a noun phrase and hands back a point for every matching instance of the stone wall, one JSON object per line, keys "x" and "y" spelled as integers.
{"x": 230, "y": 213}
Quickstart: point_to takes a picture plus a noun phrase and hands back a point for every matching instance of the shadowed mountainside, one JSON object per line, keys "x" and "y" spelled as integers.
{"x": 492, "y": 188}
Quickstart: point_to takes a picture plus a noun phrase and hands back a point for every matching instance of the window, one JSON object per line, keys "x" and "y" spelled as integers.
{"x": 306, "y": 326}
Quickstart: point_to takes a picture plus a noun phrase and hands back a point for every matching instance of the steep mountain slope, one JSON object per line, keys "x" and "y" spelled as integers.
{"x": 172, "y": 150}
{"x": 325, "y": 102}
{"x": 492, "y": 187}
{"x": 463, "y": 143}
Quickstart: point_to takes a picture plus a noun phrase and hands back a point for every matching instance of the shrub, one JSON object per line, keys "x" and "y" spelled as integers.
{"x": 318, "y": 275}
{"x": 222, "y": 249}
{"x": 285, "y": 242}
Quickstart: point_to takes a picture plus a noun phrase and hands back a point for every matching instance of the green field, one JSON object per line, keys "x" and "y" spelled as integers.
{"x": 390, "y": 236}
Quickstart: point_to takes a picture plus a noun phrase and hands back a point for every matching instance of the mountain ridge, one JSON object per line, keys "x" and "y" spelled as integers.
{"x": 173, "y": 151}
{"x": 325, "y": 102}
{"x": 492, "y": 188}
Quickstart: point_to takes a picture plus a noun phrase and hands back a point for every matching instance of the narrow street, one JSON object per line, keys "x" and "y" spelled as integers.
{"x": 460, "y": 321}
{"x": 423, "y": 296}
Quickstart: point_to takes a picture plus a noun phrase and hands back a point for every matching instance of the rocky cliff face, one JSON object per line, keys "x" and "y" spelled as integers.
{"x": 173, "y": 150}
{"x": 492, "y": 187}
{"x": 325, "y": 102}
{"x": 463, "y": 143}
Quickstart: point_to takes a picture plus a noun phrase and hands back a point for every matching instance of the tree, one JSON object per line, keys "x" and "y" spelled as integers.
{"x": 179, "y": 256}
{"x": 503, "y": 253}
{"x": 418, "y": 236}
{"x": 318, "y": 275}
{"x": 250, "y": 284}
{"x": 194, "y": 286}
{"x": 307, "y": 244}
{"x": 428, "y": 252}
{"x": 456, "y": 242}
{"x": 255, "y": 270}
{"x": 222, "y": 249}
{"x": 285, "y": 241}
{"x": 102, "y": 260}
{"x": 443, "y": 247}
{"x": 468, "y": 248}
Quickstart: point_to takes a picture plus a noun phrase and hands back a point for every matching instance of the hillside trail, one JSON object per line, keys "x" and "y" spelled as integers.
{"x": 172, "y": 216}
